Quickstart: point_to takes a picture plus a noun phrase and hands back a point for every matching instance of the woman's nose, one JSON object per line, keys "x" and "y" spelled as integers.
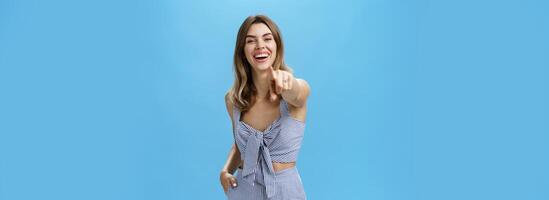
{"x": 260, "y": 44}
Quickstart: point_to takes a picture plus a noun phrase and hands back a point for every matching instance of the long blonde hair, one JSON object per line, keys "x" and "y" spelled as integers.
{"x": 243, "y": 91}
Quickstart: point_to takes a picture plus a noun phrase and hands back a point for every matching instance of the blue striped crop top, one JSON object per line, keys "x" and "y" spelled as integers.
{"x": 279, "y": 142}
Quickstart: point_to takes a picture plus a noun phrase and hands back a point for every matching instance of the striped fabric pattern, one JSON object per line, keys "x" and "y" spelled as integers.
{"x": 288, "y": 182}
{"x": 279, "y": 142}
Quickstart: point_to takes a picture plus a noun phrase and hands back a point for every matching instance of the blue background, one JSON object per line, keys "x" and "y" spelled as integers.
{"x": 410, "y": 99}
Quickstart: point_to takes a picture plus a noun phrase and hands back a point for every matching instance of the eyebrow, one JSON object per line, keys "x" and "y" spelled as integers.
{"x": 253, "y": 36}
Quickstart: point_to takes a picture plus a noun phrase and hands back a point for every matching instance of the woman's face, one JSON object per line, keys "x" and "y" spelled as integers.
{"x": 260, "y": 48}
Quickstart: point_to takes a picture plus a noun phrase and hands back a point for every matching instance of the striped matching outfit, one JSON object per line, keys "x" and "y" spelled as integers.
{"x": 279, "y": 142}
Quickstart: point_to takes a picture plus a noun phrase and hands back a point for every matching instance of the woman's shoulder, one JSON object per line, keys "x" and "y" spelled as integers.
{"x": 229, "y": 103}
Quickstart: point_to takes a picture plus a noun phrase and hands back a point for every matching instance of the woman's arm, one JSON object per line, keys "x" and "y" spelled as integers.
{"x": 233, "y": 160}
{"x": 295, "y": 91}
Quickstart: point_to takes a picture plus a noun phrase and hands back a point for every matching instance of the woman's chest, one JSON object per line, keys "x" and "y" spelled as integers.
{"x": 260, "y": 118}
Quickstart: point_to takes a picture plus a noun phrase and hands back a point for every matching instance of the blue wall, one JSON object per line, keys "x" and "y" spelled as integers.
{"x": 410, "y": 99}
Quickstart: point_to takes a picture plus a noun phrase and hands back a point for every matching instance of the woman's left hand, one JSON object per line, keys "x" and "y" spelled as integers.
{"x": 281, "y": 81}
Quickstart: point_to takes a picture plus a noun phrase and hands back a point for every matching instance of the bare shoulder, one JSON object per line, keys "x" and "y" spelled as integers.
{"x": 229, "y": 104}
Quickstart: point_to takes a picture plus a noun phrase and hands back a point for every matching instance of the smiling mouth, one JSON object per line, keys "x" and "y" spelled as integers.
{"x": 261, "y": 57}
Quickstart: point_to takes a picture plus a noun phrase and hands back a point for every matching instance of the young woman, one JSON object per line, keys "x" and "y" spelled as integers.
{"x": 267, "y": 106}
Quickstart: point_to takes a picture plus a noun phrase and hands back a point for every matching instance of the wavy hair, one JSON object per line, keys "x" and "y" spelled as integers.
{"x": 243, "y": 92}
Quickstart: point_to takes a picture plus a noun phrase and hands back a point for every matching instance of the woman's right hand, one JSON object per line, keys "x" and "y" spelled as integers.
{"x": 227, "y": 180}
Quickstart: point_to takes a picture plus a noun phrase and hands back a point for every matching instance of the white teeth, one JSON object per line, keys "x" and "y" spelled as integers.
{"x": 261, "y": 55}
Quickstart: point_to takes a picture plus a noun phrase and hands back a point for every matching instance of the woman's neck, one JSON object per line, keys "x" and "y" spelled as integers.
{"x": 261, "y": 83}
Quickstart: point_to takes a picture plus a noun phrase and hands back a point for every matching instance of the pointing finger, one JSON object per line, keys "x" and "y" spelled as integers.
{"x": 272, "y": 91}
{"x": 274, "y": 74}
{"x": 279, "y": 82}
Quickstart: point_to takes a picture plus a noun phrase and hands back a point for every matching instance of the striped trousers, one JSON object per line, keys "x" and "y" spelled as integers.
{"x": 288, "y": 187}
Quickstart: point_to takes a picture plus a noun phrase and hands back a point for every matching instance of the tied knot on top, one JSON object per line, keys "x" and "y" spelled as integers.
{"x": 257, "y": 157}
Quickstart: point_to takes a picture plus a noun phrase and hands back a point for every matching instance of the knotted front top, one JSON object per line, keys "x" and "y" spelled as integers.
{"x": 279, "y": 142}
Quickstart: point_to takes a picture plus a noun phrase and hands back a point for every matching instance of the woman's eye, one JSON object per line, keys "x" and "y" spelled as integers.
{"x": 249, "y": 41}
{"x": 268, "y": 39}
